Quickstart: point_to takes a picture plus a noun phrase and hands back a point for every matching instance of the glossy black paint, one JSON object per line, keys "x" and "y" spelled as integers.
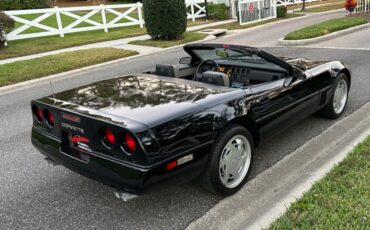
{"x": 171, "y": 118}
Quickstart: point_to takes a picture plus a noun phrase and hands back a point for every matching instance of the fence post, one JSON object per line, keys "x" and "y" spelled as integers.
{"x": 240, "y": 12}
{"x": 104, "y": 18}
{"x": 139, "y": 11}
{"x": 59, "y": 21}
{"x": 259, "y": 9}
{"x": 4, "y": 37}
{"x": 192, "y": 10}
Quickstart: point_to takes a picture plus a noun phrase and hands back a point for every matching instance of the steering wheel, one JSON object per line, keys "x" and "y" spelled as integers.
{"x": 212, "y": 65}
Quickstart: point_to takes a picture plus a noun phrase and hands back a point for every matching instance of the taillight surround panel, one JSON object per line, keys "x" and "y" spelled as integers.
{"x": 93, "y": 129}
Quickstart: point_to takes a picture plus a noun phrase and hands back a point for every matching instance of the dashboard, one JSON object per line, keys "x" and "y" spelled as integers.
{"x": 244, "y": 76}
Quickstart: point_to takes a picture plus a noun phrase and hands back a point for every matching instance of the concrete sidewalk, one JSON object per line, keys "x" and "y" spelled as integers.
{"x": 120, "y": 43}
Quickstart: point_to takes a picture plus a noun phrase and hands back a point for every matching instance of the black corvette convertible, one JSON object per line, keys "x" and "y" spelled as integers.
{"x": 200, "y": 119}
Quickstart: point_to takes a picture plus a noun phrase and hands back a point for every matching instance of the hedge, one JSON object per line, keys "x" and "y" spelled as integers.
{"x": 165, "y": 19}
{"x": 281, "y": 11}
{"x": 22, "y": 4}
{"x": 217, "y": 11}
{"x": 6, "y": 25}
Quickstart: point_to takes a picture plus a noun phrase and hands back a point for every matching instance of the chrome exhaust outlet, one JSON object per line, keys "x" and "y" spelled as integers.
{"x": 125, "y": 196}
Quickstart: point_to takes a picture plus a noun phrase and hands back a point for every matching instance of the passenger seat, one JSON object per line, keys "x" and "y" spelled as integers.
{"x": 215, "y": 78}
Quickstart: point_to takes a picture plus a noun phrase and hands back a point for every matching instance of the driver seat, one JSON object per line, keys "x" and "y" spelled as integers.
{"x": 215, "y": 78}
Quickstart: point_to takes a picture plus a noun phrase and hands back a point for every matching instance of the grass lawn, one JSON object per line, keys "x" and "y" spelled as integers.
{"x": 325, "y": 27}
{"x": 189, "y": 37}
{"x": 44, "y": 44}
{"x": 334, "y": 6}
{"x": 40, "y": 67}
{"x": 340, "y": 200}
{"x": 236, "y": 25}
{"x": 200, "y": 21}
{"x": 299, "y": 6}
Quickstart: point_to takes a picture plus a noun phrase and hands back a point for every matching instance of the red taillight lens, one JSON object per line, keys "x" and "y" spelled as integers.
{"x": 37, "y": 113}
{"x": 109, "y": 137}
{"x": 171, "y": 165}
{"x": 129, "y": 143}
{"x": 49, "y": 118}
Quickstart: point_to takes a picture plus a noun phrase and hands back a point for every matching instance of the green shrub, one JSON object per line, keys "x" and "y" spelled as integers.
{"x": 6, "y": 25}
{"x": 217, "y": 11}
{"x": 165, "y": 19}
{"x": 281, "y": 11}
{"x": 22, "y": 4}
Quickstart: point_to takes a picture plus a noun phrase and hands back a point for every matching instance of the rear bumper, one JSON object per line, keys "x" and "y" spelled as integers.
{"x": 120, "y": 175}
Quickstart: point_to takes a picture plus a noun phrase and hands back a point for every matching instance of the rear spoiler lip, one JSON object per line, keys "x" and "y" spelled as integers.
{"x": 131, "y": 125}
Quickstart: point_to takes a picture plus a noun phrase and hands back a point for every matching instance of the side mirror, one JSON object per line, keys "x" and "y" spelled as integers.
{"x": 288, "y": 81}
{"x": 185, "y": 60}
{"x": 298, "y": 74}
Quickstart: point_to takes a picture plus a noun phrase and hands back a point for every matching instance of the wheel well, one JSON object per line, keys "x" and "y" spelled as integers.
{"x": 249, "y": 124}
{"x": 346, "y": 72}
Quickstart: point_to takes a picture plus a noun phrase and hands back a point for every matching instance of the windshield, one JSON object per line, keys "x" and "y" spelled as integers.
{"x": 228, "y": 54}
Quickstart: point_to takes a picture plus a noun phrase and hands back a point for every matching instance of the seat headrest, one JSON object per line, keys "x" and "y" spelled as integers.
{"x": 216, "y": 78}
{"x": 165, "y": 70}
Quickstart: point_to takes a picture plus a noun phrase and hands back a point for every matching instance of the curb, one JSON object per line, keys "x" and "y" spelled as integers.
{"x": 267, "y": 196}
{"x": 322, "y": 38}
{"x": 30, "y": 83}
{"x": 238, "y": 31}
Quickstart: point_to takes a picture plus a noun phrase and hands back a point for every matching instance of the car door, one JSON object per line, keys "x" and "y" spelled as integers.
{"x": 282, "y": 103}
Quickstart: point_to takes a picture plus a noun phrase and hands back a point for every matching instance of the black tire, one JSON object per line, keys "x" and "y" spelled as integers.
{"x": 328, "y": 110}
{"x": 210, "y": 180}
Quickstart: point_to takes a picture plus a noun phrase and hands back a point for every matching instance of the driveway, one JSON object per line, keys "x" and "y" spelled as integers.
{"x": 269, "y": 34}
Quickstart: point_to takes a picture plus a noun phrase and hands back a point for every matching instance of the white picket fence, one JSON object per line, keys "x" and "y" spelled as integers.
{"x": 291, "y": 2}
{"x": 79, "y": 15}
{"x": 256, "y": 10}
{"x": 363, "y": 6}
{"x": 86, "y": 18}
{"x": 197, "y": 8}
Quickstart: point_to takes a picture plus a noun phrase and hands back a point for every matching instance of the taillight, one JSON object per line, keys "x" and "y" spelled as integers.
{"x": 171, "y": 165}
{"x": 49, "y": 118}
{"x": 129, "y": 143}
{"x": 37, "y": 113}
{"x": 108, "y": 137}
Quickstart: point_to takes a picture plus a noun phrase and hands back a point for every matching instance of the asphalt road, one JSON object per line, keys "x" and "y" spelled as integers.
{"x": 35, "y": 195}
